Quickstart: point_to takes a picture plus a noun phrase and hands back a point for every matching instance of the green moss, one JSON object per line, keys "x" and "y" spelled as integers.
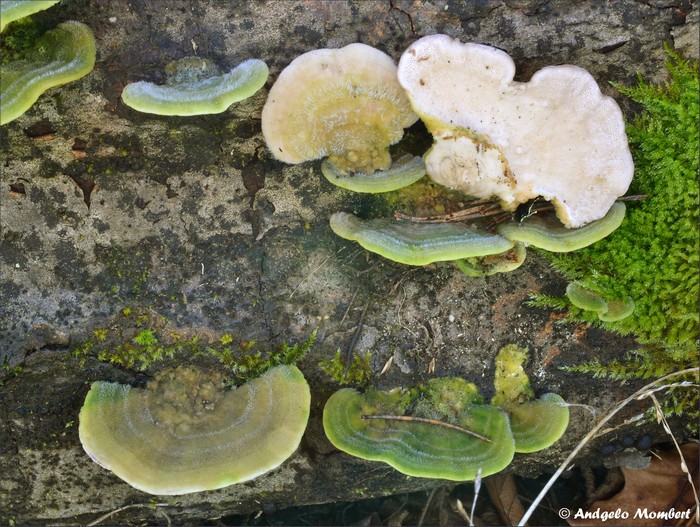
{"x": 19, "y": 36}
{"x": 653, "y": 257}
{"x": 358, "y": 372}
{"x": 138, "y": 339}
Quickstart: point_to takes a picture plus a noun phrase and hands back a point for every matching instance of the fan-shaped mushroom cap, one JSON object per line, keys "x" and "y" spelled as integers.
{"x": 417, "y": 243}
{"x": 556, "y": 136}
{"x": 418, "y": 448}
{"x": 186, "y": 433}
{"x": 196, "y": 86}
{"x": 342, "y": 103}
{"x": 61, "y": 55}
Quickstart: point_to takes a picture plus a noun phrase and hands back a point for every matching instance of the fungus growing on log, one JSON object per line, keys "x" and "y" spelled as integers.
{"x": 449, "y": 435}
{"x": 196, "y": 86}
{"x": 556, "y": 136}
{"x": 401, "y": 173}
{"x": 417, "y": 243}
{"x": 589, "y": 300}
{"x": 535, "y": 424}
{"x": 11, "y": 10}
{"x": 345, "y": 104}
{"x": 61, "y": 55}
{"x": 555, "y": 238}
{"x": 504, "y": 262}
{"x": 186, "y": 433}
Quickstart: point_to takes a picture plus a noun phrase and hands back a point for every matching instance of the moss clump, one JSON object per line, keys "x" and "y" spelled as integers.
{"x": 19, "y": 36}
{"x": 138, "y": 339}
{"x": 358, "y": 372}
{"x": 653, "y": 257}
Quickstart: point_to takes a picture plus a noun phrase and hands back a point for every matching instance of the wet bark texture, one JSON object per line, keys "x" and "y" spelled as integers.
{"x": 190, "y": 220}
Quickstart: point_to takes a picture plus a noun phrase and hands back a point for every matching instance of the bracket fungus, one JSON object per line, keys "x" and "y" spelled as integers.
{"x": 535, "y": 424}
{"x": 186, "y": 433}
{"x": 451, "y": 440}
{"x": 589, "y": 300}
{"x": 61, "y": 55}
{"x": 555, "y": 238}
{"x": 417, "y": 243}
{"x": 504, "y": 262}
{"x": 556, "y": 136}
{"x": 402, "y": 172}
{"x": 11, "y": 10}
{"x": 196, "y": 86}
{"x": 345, "y": 104}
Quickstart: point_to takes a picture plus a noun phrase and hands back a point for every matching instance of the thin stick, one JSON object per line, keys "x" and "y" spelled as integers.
{"x": 309, "y": 275}
{"x": 477, "y": 488}
{"x": 355, "y": 337}
{"x": 641, "y": 393}
{"x": 126, "y": 507}
{"x": 660, "y": 417}
{"x": 485, "y": 208}
{"x": 426, "y": 507}
{"x": 410, "y": 418}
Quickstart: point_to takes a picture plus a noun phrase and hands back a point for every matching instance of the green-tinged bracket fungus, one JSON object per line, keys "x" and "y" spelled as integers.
{"x": 556, "y": 136}
{"x": 535, "y": 424}
{"x": 196, "y": 86}
{"x": 11, "y": 10}
{"x": 345, "y": 104}
{"x": 61, "y": 55}
{"x": 589, "y": 300}
{"x": 186, "y": 433}
{"x": 453, "y": 439}
{"x": 417, "y": 243}
{"x": 402, "y": 172}
{"x": 544, "y": 234}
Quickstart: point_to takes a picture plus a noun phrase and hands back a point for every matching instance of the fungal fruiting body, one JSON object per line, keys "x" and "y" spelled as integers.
{"x": 417, "y": 243}
{"x": 536, "y": 424}
{"x": 345, "y": 104}
{"x": 11, "y": 10}
{"x": 186, "y": 433}
{"x": 402, "y": 172}
{"x": 555, "y": 238}
{"x": 196, "y": 86}
{"x": 61, "y": 55}
{"x": 374, "y": 426}
{"x": 556, "y": 136}
{"x": 589, "y": 300}
{"x": 504, "y": 262}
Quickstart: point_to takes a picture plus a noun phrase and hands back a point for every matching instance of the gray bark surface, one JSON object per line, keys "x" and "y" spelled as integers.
{"x": 189, "y": 220}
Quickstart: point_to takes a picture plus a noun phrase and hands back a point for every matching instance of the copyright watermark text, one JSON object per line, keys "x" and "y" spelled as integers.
{"x": 620, "y": 514}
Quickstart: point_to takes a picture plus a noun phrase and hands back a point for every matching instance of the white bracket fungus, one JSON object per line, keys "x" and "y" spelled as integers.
{"x": 556, "y": 136}
{"x": 345, "y": 104}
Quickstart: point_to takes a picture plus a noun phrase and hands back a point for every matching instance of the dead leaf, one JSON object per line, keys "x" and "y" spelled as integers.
{"x": 662, "y": 487}
{"x": 504, "y": 496}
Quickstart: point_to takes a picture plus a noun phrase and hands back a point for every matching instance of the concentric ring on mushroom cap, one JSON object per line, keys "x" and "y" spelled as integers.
{"x": 344, "y": 103}
{"x": 249, "y": 431}
{"x": 562, "y": 138}
{"x": 415, "y": 448}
